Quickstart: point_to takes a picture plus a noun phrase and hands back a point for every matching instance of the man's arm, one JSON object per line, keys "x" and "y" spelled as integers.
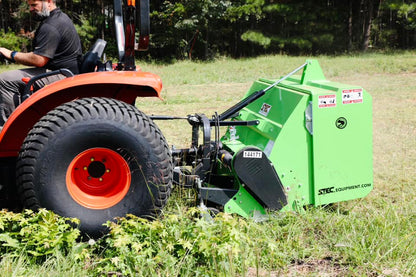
{"x": 30, "y": 59}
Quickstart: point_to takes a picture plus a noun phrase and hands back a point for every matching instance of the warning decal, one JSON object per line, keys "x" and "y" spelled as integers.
{"x": 327, "y": 101}
{"x": 265, "y": 109}
{"x": 352, "y": 96}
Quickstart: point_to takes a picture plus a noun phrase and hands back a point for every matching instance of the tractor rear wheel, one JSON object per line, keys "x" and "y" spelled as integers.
{"x": 95, "y": 159}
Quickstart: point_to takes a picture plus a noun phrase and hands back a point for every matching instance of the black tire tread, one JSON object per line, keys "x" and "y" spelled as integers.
{"x": 92, "y": 108}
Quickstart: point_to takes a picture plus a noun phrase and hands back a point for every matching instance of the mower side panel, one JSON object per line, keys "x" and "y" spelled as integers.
{"x": 342, "y": 144}
{"x": 122, "y": 85}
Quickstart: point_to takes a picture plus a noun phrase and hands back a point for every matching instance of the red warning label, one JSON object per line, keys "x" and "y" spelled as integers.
{"x": 352, "y": 96}
{"x": 327, "y": 101}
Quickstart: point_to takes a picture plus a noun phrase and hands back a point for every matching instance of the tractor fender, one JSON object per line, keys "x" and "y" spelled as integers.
{"x": 121, "y": 85}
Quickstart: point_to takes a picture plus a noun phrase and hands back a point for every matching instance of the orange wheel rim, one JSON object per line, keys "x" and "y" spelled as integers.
{"x": 98, "y": 178}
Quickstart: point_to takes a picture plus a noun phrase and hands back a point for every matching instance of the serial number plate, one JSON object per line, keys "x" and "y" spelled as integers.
{"x": 253, "y": 154}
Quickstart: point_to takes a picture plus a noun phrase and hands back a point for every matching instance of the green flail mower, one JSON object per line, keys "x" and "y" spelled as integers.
{"x": 301, "y": 140}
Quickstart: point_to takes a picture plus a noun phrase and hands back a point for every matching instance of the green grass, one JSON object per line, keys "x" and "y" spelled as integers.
{"x": 373, "y": 236}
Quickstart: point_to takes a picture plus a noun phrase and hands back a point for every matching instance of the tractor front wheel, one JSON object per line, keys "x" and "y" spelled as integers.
{"x": 95, "y": 159}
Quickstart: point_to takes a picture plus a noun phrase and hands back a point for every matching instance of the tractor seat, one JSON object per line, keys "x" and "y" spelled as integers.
{"x": 92, "y": 58}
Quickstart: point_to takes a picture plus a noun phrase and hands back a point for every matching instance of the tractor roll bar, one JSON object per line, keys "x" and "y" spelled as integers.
{"x": 119, "y": 28}
{"x": 144, "y": 25}
{"x": 126, "y": 40}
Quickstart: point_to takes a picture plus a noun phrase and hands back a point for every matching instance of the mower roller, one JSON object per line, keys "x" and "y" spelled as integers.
{"x": 81, "y": 148}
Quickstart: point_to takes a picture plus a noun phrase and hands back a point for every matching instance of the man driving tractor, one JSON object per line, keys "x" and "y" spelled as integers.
{"x": 56, "y": 45}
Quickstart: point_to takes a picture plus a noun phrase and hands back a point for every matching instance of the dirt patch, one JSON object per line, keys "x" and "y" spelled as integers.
{"x": 323, "y": 268}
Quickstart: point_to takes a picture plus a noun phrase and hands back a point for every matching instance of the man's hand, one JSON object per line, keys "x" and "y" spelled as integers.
{"x": 6, "y": 53}
{"x": 30, "y": 59}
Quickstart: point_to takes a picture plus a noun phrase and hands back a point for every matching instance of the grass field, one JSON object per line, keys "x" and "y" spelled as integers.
{"x": 373, "y": 236}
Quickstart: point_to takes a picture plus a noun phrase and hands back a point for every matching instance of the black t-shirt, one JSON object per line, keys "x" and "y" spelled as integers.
{"x": 57, "y": 39}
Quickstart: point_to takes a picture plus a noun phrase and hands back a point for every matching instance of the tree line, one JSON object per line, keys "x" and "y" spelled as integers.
{"x": 204, "y": 29}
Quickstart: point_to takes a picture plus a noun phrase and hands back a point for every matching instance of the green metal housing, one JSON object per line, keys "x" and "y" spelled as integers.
{"x": 316, "y": 133}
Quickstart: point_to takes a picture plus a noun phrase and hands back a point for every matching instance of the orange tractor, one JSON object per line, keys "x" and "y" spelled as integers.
{"x": 79, "y": 146}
